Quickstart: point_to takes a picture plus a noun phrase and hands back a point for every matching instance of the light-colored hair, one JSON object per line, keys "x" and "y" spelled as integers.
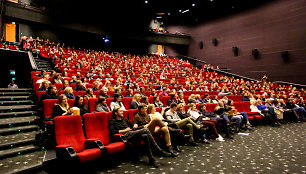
{"x": 68, "y": 89}
{"x": 135, "y": 97}
{"x": 150, "y": 108}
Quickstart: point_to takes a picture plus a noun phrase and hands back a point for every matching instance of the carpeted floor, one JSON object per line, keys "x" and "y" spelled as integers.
{"x": 265, "y": 150}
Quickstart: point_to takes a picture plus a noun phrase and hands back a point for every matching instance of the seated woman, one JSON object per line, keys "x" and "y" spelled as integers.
{"x": 135, "y": 102}
{"x": 157, "y": 103}
{"x": 101, "y": 105}
{"x": 198, "y": 99}
{"x": 69, "y": 93}
{"x": 198, "y": 118}
{"x": 181, "y": 99}
{"x": 192, "y": 99}
{"x": 173, "y": 99}
{"x": 117, "y": 102}
{"x": 89, "y": 94}
{"x": 221, "y": 108}
{"x": 214, "y": 99}
{"x": 79, "y": 102}
{"x": 62, "y": 107}
{"x": 245, "y": 120}
{"x": 107, "y": 86}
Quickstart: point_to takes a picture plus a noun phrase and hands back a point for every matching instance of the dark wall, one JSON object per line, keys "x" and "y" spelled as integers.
{"x": 18, "y": 61}
{"x": 271, "y": 28}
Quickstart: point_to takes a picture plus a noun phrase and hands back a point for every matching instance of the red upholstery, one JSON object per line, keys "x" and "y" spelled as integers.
{"x": 48, "y": 106}
{"x": 39, "y": 93}
{"x": 96, "y": 126}
{"x": 131, "y": 114}
{"x": 69, "y": 131}
{"x": 108, "y": 101}
{"x": 92, "y": 104}
{"x": 165, "y": 100}
{"x": 126, "y": 101}
{"x": 211, "y": 107}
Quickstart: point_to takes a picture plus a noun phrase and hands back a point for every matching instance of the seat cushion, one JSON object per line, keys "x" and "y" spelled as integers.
{"x": 115, "y": 147}
{"x": 89, "y": 154}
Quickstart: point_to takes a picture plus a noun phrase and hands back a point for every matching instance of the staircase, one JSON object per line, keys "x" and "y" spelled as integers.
{"x": 17, "y": 132}
{"x": 42, "y": 64}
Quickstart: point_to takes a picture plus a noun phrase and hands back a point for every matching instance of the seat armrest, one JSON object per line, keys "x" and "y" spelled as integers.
{"x": 66, "y": 152}
{"x": 118, "y": 138}
{"x": 94, "y": 143}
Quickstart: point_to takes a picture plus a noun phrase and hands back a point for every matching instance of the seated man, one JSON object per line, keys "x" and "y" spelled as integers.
{"x": 143, "y": 120}
{"x": 121, "y": 125}
{"x": 172, "y": 116}
{"x": 291, "y": 105}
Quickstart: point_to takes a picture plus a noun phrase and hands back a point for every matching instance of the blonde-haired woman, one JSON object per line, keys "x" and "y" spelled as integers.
{"x": 62, "y": 107}
{"x": 135, "y": 102}
{"x": 108, "y": 86}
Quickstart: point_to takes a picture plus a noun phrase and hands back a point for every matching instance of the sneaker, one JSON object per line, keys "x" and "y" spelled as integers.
{"x": 220, "y": 138}
{"x": 192, "y": 143}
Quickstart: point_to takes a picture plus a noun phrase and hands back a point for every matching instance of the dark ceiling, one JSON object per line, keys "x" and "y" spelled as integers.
{"x": 135, "y": 15}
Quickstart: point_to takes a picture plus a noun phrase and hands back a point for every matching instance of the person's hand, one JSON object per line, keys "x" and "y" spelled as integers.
{"x": 145, "y": 126}
{"x": 207, "y": 118}
{"x": 70, "y": 111}
{"x": 127, "y": 129}
{"x": 135, "y": 126}
{"x": 218, "y": 116}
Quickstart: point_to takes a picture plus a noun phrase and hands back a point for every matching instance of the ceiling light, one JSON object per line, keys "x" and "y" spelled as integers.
{"x": 180, "y": 10}
{"x": 192, "y": 5}
{"x": 146, "y": 2}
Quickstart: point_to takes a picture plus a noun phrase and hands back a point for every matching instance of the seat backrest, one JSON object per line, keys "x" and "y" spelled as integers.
{"x": 132, "y": 113}
{"x": 108, "y": 101}
{"x": 96, "y": 126}
{"x": 39, "y": 93}
{"x": 126, "y": 101}
{"x": 92, "y": 104}
{"x": 48, "y": 106}
{"x": 211, "y": 107}
{"x": 165, "y": 100}
{"x": 69, "y": 131}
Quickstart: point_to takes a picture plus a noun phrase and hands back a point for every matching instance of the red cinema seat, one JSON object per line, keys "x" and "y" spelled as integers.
{"x": 126, "y": 101}
{"x": 131, "y": 114}
{"x": 211, "y": 107}
{"x": 92, "y": 104}
{"x": 165, "y": 100}
{"x": 111, "y": 93}
{"x": 108, "y": 101}
{"x": 39, "y": 93}
{"x": 48, "y": 106}
{"x": 71, "y": 142}
{"x": 96, "y": 127}
{"x": 81, "y": 93}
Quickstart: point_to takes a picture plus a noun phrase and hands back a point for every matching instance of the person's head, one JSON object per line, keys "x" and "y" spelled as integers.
{"x": 151, "y": 109}
{"x": 79, "y": 101}
{"x": 253, "y": 102}
{"x": 180, "y": 108}
{"x": 52, "y": 89}
{"x": 68, "y": 90}
{"x": 130, "y": 91}
{"x": 202, "y": 107}
{"x": 79, "y": 83}
{"x": 66, "y": 83}
{"x": 215, "y": 97}
{"x": 137, "y": 98}
{"x": 156, "y": 98}
{"x": 268, "y": 100}
{"x": 89, "y": 91}
{"x": 230, "y": 102}
{"x": 101, "y": 100}
{"x": 220, "y": 104}
{"x": 45, "y": 84}
{"x": 172, "y": 96}
{"x": 117, "y": 98}
{"x": 46, "y": 76}
{"x": 142, "y": 89}
{"x": 181, "y": 95}
{"x": 192, "y": 106}
{"x": 198, "y": 96}
{"x": 206, "y": 96}
{"x": 62, "y": 100}
{"x": 173, "y": 106}
{"x": 145, "y": 100}
{"x": 259, "y": 102}
{"x": 142, "y": 108}
{"x": 107, "y": 83}
{"x": 96, "y": 84}
{"x": 117, "y": 113}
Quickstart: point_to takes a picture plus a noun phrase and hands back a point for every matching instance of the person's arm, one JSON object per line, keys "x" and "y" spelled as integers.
{"x": 169, "y": 117}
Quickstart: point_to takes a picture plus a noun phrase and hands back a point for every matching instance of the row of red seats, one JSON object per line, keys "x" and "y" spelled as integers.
{"x": 72, "y": 143}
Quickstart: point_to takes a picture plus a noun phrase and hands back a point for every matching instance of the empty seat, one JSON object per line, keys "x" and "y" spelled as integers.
{"x": 71, "y": 142}
{"x": 96, "y": 127}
